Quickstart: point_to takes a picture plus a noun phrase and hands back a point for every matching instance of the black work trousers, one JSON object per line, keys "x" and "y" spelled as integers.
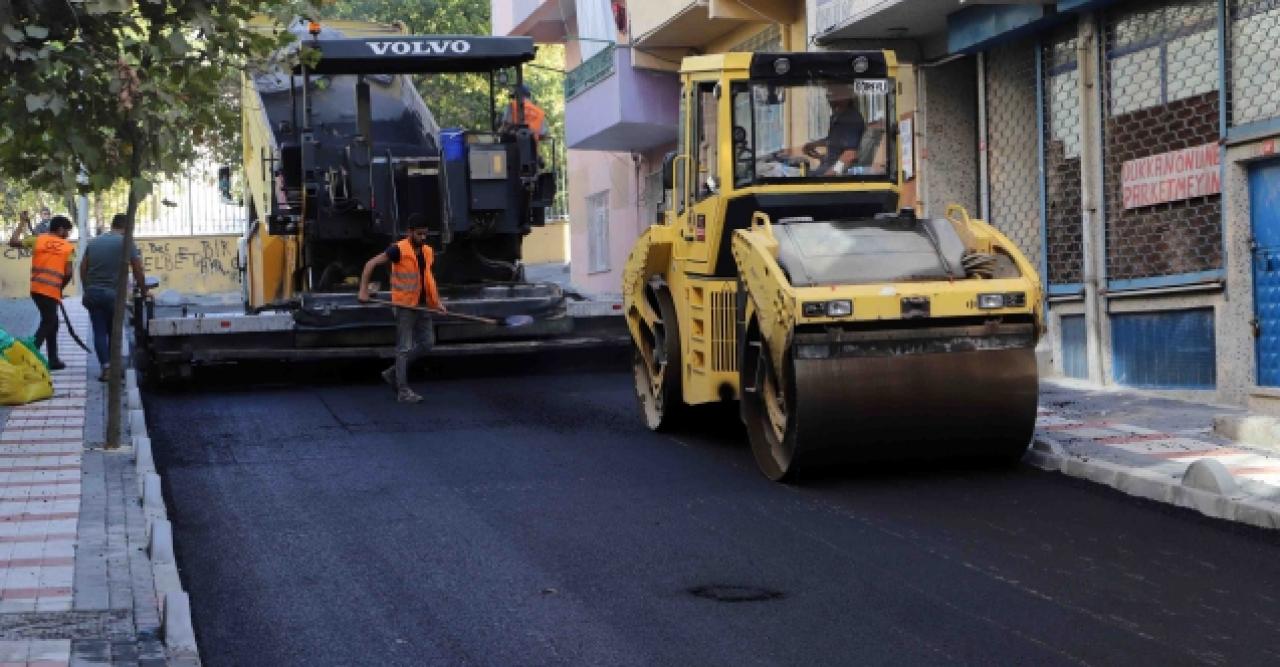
{"x": 47, "y": 331}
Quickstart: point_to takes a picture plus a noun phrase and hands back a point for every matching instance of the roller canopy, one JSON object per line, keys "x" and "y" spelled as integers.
{"x": 419, "y": 54}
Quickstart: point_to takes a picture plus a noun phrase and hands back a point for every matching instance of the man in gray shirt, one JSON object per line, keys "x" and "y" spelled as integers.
{"x": 42, "y": 227}
{"x": 98, "y": 272}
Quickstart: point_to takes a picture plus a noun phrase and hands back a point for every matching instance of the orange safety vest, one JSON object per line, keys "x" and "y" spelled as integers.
{"x": 534, "y": 117}
{"x": 49, "y": 265}
{"x": 407, "y": 278}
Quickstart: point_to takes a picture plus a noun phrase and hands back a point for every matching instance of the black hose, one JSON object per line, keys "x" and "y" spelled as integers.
{"x": 70, "y": 329}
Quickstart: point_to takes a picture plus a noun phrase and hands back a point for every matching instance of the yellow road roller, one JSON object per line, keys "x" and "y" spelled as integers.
{"x": 783, "y": 274}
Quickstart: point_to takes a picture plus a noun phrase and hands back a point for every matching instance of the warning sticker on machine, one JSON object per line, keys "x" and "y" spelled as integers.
{"x": 871, "y": 86}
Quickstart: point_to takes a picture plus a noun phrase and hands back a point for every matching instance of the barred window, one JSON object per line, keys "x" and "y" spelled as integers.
{"x": 1062, "y": 94}
{"x": 1160, "y": 52}
{"x": 1255, "y": 52}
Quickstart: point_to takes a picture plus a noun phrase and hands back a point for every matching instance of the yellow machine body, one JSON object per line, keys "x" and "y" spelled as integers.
{"x": 728, "y": 297}
{"x": 271, "y": 261}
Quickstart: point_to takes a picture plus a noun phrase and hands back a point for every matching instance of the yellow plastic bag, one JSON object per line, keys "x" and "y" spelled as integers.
{"x": 23, "y": 378}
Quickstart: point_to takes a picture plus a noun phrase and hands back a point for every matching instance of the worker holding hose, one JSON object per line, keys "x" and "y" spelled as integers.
{"x": 50, "y": 273}
{"x": 98, "y": 272}
{"x": 414, "y": 295}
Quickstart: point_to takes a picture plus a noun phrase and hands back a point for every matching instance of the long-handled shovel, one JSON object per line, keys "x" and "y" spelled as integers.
{"x": 511, "y": 321}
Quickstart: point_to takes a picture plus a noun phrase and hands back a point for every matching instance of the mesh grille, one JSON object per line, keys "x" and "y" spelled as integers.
{"x": 1160, "y": 96}
{"x": 1011, "y": 143}
{"x": 1254, "y": 60}
{"x": 1062, "y": 156}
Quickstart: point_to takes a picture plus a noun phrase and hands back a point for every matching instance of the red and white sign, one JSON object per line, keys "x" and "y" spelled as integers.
{"x": 1172, "y": 176}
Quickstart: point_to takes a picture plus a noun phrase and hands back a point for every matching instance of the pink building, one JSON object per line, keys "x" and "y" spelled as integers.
{"x": 620, "y": 120}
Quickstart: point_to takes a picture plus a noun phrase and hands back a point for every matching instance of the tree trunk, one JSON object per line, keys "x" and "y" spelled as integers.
{"x": 115, "y": 379}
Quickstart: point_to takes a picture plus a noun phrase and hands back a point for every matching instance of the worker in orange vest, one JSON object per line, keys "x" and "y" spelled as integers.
{"x": 413, "y": 291}
{"x": 534, "y": 117}
{"x": 50, "y": 273}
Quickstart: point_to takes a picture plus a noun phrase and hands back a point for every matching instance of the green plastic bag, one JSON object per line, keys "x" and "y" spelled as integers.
{"x": 5, "y": 340}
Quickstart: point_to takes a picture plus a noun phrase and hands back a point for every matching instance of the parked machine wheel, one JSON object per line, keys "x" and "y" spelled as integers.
{"x": 657, "y": 368}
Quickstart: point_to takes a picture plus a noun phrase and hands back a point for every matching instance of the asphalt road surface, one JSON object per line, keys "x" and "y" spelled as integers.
{"x": 527, "y": 517}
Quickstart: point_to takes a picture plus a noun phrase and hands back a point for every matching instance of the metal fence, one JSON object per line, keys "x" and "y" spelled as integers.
{"x": 1161, "y": 108}
{"x": 186, "y": 205}
{"x": 1012, "y": 146}
{"x": 1060, "y": 82}
{"x": 1253, "y": 61}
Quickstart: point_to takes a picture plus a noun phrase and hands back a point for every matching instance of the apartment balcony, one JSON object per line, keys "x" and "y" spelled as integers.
{"x": 543, "y": 20}
{"x": 695, "y": 23}
{"x": 612, "y": 106}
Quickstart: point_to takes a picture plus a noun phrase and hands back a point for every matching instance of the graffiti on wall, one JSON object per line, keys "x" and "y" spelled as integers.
{"x": 211, "y": 257}
{"x": 186, "y": 264}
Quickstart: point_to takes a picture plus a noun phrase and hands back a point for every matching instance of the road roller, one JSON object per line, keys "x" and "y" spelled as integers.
{"x": 783, "y": 273}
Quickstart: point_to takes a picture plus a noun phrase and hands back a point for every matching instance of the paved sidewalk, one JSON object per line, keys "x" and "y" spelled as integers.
{"x": 1146, "y": 446}
{"x": 75, "y": 584}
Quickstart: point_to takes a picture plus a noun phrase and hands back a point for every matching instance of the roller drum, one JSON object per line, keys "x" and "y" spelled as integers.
{"x": 962, "y": 392}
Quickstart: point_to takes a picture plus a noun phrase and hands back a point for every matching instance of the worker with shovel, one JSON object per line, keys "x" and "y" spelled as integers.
{"x": 414, "y": 295}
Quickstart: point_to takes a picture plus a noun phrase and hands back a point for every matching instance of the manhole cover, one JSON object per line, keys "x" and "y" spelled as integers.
{"x": 730, "y": 593}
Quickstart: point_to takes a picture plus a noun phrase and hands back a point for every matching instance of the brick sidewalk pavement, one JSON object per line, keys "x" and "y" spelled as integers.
{"x": 75, "y": 585}
{"x": 1136, "y": 441}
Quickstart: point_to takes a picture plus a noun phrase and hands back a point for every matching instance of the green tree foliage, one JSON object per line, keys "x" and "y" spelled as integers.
{"x": 125, "y": 91}
{"x": 462, "y": 100}
{"x": 457, "y": 100}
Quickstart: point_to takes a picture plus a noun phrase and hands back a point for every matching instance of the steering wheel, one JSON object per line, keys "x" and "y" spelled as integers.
{"x": 811, "y": 149}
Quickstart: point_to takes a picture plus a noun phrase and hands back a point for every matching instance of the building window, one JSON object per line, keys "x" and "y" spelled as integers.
{"x": 1161, "y": 53}
{"x": 598, "y": 232}
{"x": 1255, "y": 49}
{"x": 654, "y": 197}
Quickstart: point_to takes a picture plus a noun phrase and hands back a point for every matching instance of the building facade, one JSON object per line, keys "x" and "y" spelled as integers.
{"x": 622, "y": 97}
{"x": 1127, "y": 146}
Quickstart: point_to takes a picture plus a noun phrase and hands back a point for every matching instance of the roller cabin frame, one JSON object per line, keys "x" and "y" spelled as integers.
{"x": 769, "y": 290}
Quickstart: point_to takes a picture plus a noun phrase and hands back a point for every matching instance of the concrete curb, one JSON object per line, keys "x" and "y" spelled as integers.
{"x": 179, "y": 635}
{"x": 1204, "y": 489}
{"x": 175, "y": 605}
{"x": 1256, "y": 430}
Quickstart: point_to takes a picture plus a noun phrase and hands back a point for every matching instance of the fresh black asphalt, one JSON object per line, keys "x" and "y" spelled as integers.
{"x": 523, "y": 515}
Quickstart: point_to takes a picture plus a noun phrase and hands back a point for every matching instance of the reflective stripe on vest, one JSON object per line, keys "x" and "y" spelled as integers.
{"x": 48, "y": 261}
{"x": 406, "y": 276}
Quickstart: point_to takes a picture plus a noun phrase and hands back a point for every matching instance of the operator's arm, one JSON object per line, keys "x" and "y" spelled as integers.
{"x": 84, "y": 267}
{"x": 68, "y": 271}
{"x": 846, "y": 160}
{"x": 378, "y": 260}
{"x": 433, "y": 295}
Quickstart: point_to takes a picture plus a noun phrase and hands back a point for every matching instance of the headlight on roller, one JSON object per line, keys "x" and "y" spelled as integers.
{"x": 1006, "y": 300}
{"x": 840, "y": 308}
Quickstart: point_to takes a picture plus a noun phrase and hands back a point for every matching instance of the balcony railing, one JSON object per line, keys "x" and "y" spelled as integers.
{"x": 593, "y": 70}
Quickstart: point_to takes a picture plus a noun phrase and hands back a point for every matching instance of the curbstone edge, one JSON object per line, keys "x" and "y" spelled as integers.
{"x": 152, "y": 496}
{"x": 1047, "y": 454}
{"x": 179, "y": 634}
{"x": 137, "y": 422}
{"x": 160, "y": 546}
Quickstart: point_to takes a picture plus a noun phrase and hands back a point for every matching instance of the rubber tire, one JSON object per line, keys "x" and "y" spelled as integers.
{"x": 779, "y": 460}
{"x": 661, "y": 411}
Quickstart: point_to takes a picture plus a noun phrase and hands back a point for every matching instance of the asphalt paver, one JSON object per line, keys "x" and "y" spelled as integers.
{"x": 522, "y": 514}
